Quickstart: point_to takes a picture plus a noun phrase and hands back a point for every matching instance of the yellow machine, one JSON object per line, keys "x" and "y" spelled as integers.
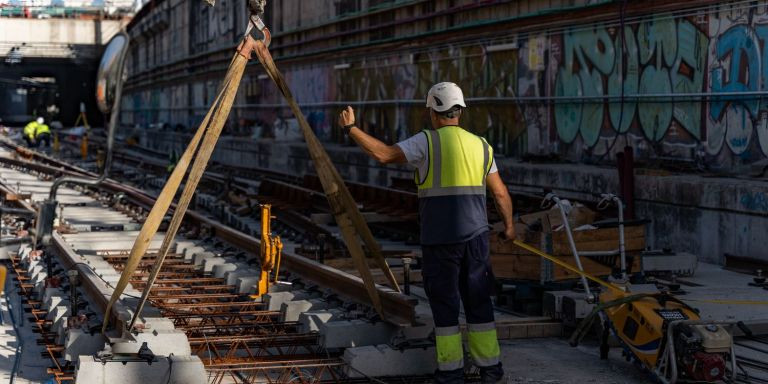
{"x": 640, "y": 322}
{"x": 661, "y": 333}
{"x": 271, "y": 251}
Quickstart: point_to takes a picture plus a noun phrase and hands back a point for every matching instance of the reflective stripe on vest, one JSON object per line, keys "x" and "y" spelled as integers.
{"x": 483, "y": 344}
{"x": 450, "y": 353}
{"x": 463, "y": 171}
{"x": 41, "y": 129}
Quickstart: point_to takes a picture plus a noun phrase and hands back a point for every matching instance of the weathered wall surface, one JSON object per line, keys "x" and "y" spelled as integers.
{"x": 687, "y": 86}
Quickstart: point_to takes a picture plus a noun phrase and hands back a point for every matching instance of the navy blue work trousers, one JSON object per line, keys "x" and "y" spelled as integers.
{"x": 459, "y": 273}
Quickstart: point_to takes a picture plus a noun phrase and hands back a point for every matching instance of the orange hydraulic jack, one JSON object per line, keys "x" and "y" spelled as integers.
{"x": 271, "y": 252}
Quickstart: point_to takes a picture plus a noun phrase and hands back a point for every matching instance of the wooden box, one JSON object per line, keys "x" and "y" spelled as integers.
{"x": 512, "y": 262}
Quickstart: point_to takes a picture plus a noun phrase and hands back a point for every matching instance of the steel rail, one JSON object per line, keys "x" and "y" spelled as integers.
{"x": 399, "y": 309}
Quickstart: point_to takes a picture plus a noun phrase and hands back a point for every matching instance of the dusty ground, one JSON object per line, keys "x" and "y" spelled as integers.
{"x": 553, "y": 361}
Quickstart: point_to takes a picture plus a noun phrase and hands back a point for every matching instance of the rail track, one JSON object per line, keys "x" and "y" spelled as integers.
{"x": 237, "y": 339}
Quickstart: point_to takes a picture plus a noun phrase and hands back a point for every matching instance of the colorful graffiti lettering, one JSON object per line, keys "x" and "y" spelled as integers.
{"x": 739, "y": 58}
{"x": 656, "y": 57}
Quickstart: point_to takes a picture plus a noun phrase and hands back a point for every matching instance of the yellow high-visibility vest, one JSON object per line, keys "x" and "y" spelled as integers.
{"x": 29, "y": 129}
{"x": 452, "y": 203}
{"x": 459, "y": 162}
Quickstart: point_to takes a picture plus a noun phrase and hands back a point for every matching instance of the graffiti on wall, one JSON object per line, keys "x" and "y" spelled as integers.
{"x": 738, "y": 63}
{"x": 656, "y": 57}
{"x": 670, "y": 84}
{"x": 715, "y": 65}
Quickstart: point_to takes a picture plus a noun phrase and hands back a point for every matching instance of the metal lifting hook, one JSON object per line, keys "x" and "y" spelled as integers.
{"x": 255, "y": 21}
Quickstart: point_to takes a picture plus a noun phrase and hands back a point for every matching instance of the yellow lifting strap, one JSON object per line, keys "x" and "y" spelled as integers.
{"x": 208, "y": 133}
{"x": 343, "y": 207}
{"x": 566, "y": 265}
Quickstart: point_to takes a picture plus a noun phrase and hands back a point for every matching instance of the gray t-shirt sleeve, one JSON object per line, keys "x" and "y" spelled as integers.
{"x": 415, "y": 148}
{"x": 494, "y": 169}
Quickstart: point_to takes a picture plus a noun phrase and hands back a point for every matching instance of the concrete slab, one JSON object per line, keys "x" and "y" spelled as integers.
{"x": 219, "y": 270}
{"x": 291, "y": 310}
{"x": 382, "y": 361}
{"x": 209, "y": 263}
{"x": 311, "y": 321}
{"x": 275, "y": 300}
{"x": 189, "y": 252}
{"x": 355, "y": 333}
{"x": 245, "y": 284}
{"x": 176, "y": 369}
{"x": 182, "y": 245}
{"x": 160, "y": 341}
{"x": 232, "y": 276}
{"x": 79, "y": 343}
{"x": 199, "y": 257}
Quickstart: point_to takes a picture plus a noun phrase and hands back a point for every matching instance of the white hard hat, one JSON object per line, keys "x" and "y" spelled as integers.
{"x": 444, "y": 96}
{"x": 40, "y": 120}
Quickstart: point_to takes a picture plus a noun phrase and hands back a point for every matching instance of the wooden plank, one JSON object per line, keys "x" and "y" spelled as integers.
{"x": 600, "y": 234}
{"x": 523, "y": 267}
{"x": 630, "y": 244}
{"x": 590, "y": 266}
{"x": 530, "y": 267}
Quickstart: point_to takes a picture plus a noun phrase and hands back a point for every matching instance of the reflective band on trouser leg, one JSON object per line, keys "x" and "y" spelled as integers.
{"x": 450, "y": 354}
{"x": 483, "y": 344}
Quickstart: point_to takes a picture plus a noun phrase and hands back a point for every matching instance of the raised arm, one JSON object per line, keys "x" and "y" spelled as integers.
{"x": 503, "y": 203}
{"x": 383, "y": 153}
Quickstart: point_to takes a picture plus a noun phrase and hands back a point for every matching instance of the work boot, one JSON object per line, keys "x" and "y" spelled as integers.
{"x": 449, "y": 377}
{"x": 492, "y": 375}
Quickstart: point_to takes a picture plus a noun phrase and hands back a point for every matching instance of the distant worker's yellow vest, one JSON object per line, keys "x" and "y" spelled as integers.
{"x": 29, "y": 129}
{"x": 42, "y": 129}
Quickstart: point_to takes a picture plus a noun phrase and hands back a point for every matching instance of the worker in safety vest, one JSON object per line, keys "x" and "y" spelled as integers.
{"x": 453, "y": 168}
{"x": 30, "y": 130}
{"x": 42, "y": 133}
{"x": 173, "y": 159}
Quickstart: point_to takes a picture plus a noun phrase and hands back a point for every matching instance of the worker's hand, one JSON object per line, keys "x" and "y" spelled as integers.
{"x": 508, "y": 234}
{"x": 347, "y": 117}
